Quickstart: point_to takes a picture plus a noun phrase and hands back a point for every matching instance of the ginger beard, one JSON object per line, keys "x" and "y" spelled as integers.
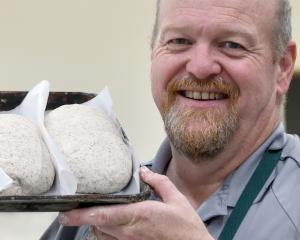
{"x": 200, "y": 133}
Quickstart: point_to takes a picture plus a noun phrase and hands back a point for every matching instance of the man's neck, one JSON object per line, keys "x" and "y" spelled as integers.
{"x": 196, "y": 181}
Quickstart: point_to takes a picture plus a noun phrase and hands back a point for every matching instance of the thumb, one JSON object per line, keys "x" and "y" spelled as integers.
{"x": 162, "y": 185}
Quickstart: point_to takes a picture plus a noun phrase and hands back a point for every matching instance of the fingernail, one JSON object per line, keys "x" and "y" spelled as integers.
{"x": 146, "y": 171}
{"x": 63, "y": 219}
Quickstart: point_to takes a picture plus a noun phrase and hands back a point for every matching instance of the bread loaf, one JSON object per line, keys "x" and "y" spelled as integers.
{"x": 24, "y": 156}
{"x": 93, "y": 146}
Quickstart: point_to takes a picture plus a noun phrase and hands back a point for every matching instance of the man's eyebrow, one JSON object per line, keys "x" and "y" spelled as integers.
{"x": 222, "y": 31}
{"x": 172, "y": 28}
{"x": 239, "y": 32}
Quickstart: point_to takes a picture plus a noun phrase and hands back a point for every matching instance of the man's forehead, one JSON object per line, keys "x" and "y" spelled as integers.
{"x": 242, "y": 5}
{"x": 259, "y": 11}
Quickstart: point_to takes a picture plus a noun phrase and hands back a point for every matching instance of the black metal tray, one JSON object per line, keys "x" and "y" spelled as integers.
{"x": 67, "y": 202}
{"x": 11, "y": 99}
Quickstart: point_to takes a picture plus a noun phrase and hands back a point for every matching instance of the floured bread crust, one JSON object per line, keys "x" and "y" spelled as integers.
{"x": 24, "y": 157}
{"x": 93, "y": 146}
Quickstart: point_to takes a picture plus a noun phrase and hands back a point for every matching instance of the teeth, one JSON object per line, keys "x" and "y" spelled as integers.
{"x": 203, "y": 95}
{"x": 189, "y": 94}
{"x": 196, "y": 95}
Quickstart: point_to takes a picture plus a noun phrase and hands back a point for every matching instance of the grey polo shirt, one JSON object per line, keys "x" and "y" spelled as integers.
{"x": 275, "y": 214}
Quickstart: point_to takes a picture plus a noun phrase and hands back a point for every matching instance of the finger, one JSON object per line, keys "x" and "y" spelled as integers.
{"x": 101, "y": 235}
{"x": 162, "y": 186}
{"x": 115, "y": 215}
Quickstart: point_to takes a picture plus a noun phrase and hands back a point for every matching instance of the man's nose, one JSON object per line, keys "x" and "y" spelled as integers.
{"x": 202, "y": 62}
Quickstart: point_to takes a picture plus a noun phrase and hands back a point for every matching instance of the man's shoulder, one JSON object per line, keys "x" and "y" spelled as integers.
{"x": 292, "y": 148}
{"x": 286, "y": 186}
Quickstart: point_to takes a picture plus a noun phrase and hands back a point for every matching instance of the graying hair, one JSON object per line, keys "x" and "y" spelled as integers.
{"x": 155, "y": 27}
{"x": 282, "y": 32}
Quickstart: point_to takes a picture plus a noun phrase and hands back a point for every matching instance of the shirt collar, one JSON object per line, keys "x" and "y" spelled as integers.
{"x": 162, "y": 157}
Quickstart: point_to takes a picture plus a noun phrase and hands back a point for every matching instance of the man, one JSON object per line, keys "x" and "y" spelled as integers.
{"x": 220, "y": 70}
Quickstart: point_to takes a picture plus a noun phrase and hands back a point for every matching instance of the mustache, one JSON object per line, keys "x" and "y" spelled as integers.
{"x": 213, "y": 84}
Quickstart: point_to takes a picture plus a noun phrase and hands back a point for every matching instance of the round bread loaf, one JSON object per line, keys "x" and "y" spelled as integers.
{"x": 24, "y": 156}
{"x": 93, "y": 147}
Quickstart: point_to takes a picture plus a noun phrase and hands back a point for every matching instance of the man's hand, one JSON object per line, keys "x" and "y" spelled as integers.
{"x": 173, "y": 218}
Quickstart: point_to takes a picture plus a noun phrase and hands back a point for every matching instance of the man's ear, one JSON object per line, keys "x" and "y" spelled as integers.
{"x": 286, "y": 68}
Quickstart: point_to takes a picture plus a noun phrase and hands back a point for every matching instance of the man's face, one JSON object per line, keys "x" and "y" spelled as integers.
{"x": 213, "y": 74}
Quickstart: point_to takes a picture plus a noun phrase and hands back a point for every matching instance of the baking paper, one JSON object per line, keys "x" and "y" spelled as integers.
{"x": 104, "y": 101}
{"x": 33, "y": 107}
{"x": 5, "y": 180}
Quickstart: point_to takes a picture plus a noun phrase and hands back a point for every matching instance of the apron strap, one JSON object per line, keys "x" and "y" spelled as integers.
{"x": 249, "y": 194}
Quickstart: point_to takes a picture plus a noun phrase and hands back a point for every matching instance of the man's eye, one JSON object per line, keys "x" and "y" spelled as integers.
{"x": 233, "y": 45}
{"x": 180, "y": 41}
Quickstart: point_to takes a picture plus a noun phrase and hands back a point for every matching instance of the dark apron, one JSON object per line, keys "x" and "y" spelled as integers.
{"x": 249, "y": 194}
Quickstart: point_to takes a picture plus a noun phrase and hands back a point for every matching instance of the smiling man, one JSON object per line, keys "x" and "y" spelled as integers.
{"x": 227, "y": 170}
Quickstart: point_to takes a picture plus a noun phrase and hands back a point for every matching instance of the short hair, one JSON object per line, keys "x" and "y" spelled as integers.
{"x": 156, "y": 22}
{"x": 282, "y": 28}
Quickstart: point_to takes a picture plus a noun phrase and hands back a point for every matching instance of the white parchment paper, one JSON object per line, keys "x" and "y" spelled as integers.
{"x": 5, "y": 180}
{"x": 33, "y": 107}
{"x": 104, "y": 101}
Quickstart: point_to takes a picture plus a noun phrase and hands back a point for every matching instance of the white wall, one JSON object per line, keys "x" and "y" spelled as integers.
{"x": 82, "y": 46}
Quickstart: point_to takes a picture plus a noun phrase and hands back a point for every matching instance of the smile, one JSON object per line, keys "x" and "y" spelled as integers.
{"x": 204, "y": 96}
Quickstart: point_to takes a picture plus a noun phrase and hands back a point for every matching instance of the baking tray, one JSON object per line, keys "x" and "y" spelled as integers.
{"x": 67, "y": 202}
{"x": 11, "y": 99}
